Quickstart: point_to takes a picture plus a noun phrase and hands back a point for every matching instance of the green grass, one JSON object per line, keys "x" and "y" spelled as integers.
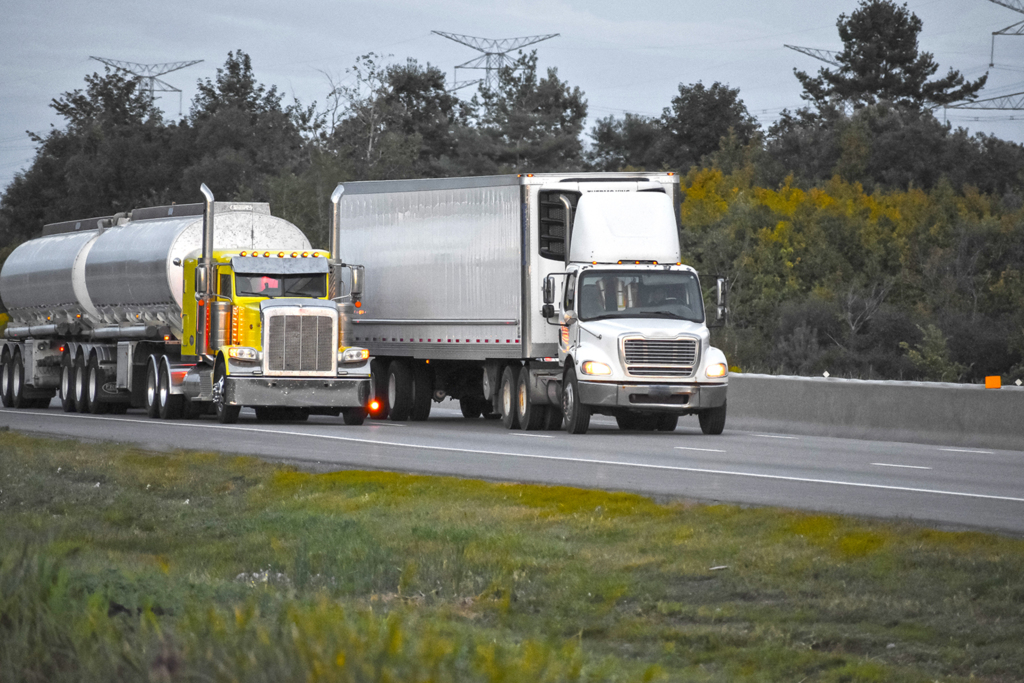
{"x": 198, "y": 567}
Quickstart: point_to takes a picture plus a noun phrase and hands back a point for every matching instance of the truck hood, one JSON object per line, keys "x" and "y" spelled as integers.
{"x": 667, "y": 328}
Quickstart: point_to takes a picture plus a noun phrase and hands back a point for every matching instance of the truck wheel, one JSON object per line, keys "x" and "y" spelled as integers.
{"x": 577, "y": 415}
{"x": 67, "y": 384}
{"x": 471, "y": 407}
{"x": 152, "y": 389}
{"x": 93, "y": 388}
{"x": 353, "y": 416}
{"x": 5, "y": 379}
{"x": 170, "y": 406}
{"x": 226, "y": 414}
{"x": 635, "y": 422}
{"x": 81, "y": 378}
{"x": 18, "y": 399}
{"x": 668, "y": 422}
{"x": 507, "y": 396}
{"x": 531, "y": 415}
{"x": 422, "y": 391}
{"x": 399, "y": 391}
{"x": 712, "y": 420}
{"x": 553, "y": 418}
{"x": 379, "y": 375}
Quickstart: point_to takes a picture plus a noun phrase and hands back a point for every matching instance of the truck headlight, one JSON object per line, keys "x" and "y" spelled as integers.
{"x": 717, "y": 370}
{"x": 354, "y": 355}
{"x": 592, "y": 367}
{"x": 242, "y": 353}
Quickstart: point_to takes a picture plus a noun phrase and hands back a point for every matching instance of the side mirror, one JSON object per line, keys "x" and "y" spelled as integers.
{"x": 722, "y": 296}
{"x": 547, "y": 310}
{"x": 549, "y": 291}
{"x": 357, "y": 281}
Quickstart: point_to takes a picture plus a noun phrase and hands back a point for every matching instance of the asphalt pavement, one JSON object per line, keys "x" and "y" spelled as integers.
{"x": 948, "y": 486}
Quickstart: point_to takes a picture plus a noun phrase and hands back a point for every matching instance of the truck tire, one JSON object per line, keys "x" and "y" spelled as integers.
{"x": 471, "y": 407}
{"x": 399, "y": 391}
{"x": 81, "y": 378}
{"x": 226, "y": 414}
{"x": 577, "y": 415}
{"x": 353, "y": 416}
{"x": 507, "y": 395}
{"x": 67, "y": 384}
{"x": 553, "y": 418}
{"x": 94, "y": 387}
{"x": 170, "y": 406}
{"x": 6, "y": 371}
{"x": 668, "y": 422}
{"x": 379, "y": 375}
{"x": 638, "y": 422}
{"x": 712, "y": 420}
{"x": 18, "y": 399}
{"x": 422, "y": 391}
{"x": 152, "y": 389}
{"x": 532, "y": 416}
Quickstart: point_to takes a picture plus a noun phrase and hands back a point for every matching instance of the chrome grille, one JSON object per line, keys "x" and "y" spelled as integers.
{"x": 660, "y": 357}
{"x": 300, "y": 344}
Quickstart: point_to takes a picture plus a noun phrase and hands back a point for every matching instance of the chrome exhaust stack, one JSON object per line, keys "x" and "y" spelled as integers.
{"x": 204, "y": 273}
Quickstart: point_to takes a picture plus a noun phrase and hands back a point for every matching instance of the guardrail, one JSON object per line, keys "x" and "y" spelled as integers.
{"x": 966, "y": 415}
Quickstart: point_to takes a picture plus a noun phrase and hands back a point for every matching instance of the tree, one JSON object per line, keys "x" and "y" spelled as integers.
{"x": 632, "y": 142}
{"x": 700, "y": 117}
{"x": 880, "y": 61}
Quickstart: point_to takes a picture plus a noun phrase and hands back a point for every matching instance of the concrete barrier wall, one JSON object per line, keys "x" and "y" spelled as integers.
{"x": 927, "y": 412}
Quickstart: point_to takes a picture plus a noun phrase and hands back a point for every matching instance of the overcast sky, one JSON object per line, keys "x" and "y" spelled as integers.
{"x": 626, "y": 56}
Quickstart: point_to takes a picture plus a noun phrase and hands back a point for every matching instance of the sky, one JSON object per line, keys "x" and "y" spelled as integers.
{"x": 628, "y": 56}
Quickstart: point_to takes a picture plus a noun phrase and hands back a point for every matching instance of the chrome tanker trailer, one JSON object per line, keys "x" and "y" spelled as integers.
{"x": 181, "y": 310}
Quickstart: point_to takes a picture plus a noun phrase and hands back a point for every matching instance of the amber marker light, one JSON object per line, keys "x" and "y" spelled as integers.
{"x": 359, "y": 304}
{"x": 266, "y": 254}
{"x": 295, "y": 254}
{"x": 316, "y": 254}
{"x": 305, "y": 254}
{"x": 242, "y": 253}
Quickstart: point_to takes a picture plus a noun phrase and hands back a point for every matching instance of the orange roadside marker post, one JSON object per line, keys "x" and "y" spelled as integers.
{"x": 993, "y": 382}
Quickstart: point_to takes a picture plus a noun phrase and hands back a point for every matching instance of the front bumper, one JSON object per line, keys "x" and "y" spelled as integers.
{"x": 663, "y": 398}
{"x": 299, "y": 392}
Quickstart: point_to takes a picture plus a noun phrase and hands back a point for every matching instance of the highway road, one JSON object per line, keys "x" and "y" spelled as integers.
{"x": 946, "y": 486}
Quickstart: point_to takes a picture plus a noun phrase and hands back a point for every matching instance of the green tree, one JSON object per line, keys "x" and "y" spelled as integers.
{"x": 632, "y": 142}
{"x": 698, "y": 119}
{"x": 880, "y": 61}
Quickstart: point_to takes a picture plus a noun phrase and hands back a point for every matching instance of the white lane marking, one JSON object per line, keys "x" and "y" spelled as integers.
{"x": 909, "y": 467}
{"x": 533, "y": 456}
{"x": 706, "y": 450}
{"x": 776, "y": 436}
{"x": 966, "y": 450}
{"x": 536, "y": 436}
{"x": 382, "y": 423}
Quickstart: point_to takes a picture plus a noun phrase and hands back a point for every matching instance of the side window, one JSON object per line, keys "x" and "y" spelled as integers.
{"x": 552, "y": 223}
{"x": 225, "y": 284}
{"x": 569, "y": 304}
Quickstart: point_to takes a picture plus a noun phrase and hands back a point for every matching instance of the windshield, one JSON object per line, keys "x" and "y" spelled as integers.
{"x": 281, "y": 285}
{"x": 646, "y": 294}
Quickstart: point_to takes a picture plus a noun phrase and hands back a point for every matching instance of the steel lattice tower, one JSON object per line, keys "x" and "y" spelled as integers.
{"x": 1012, "y": 30}
{"x": 495, "y": 55}
{"x": 148, "y": 74}
{"x": 827, "y": 56}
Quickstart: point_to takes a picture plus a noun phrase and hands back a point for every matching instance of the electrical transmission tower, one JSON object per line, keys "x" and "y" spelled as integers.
{"x": 1014, "y": 30}
{"x": 148, "y": 74}
{"x": 495, "y": 55}
{"x": 1014, "y": 101}
{"x": 828, "y": 56}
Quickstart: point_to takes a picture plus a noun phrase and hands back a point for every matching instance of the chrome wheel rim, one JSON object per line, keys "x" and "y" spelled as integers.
{"x": 164, "y": 389}
{"x": 92, "y": 385}
{"x": 16, "y": 383}
{"x": 506, "y": 398}
{"x": 65, "y": 382}
{"x": 392, "y": 390}
{"x": 150, "y": 387}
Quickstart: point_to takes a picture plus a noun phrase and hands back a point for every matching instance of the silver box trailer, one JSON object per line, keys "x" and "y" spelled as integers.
{"x": 454, "y": 292}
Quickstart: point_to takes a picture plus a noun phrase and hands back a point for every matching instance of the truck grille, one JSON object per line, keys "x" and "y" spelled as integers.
{"x": 301, "y": 344}
{"x": 660, "y": 357}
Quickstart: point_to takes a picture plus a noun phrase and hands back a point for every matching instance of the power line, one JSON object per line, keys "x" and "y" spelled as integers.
{"x": 495, "y": 55}
{"x": 148, "y": 74}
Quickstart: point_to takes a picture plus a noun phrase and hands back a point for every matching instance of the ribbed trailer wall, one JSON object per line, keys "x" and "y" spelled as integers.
{"x": 443, "y": 266}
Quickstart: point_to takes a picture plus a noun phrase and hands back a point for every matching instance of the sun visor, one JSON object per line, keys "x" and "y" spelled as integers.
{"x": 250, "y": 265}
{"x": 625, "y": 226}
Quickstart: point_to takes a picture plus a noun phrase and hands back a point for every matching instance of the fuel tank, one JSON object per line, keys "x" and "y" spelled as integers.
{"x": 127, "y": 271}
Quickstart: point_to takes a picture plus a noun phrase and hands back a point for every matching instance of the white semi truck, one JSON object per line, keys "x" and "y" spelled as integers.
{"x": 539, "y": 298}
{"x": 181, "y": 310}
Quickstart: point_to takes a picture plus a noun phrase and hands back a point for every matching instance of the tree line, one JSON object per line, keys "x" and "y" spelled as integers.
{"x": 863, "y": 236}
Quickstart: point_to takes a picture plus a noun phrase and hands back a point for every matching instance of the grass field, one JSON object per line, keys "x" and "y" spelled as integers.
{"x": 118, "y": 564}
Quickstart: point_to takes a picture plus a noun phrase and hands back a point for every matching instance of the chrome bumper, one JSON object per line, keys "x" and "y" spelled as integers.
{"x": 662, "y": 398}
{"x": 319, "y": 392}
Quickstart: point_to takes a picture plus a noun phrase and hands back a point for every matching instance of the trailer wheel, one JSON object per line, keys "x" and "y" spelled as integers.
{"x": 400, "y": 391}
{"x": 170, "y": 406}
{"x": 422, "y": 391}
{"x": 668, "y": 422}
{"x": 471, "y": 407}
{"x": 67, "y": 384}
{"x": 353, "y": 416}
{"x": 18, "y": 399}
{"x": 152, "y": 388}
{"x": 532, "y": 416}
{"x": 379, "y": 375}
{"x": 507, "y": 395}
{"x": 226, "y": 414}
{"x": 553, "y": 418}
{"x": 81, "y": 402}
{"x": 712, "y": 420}
{"x": 93, "y": 387}
{"x": 5, "y": 379}
{"x": 577, "y": 415}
